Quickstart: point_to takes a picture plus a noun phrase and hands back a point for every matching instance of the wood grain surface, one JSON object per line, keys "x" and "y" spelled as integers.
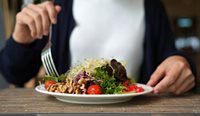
{"x": 30, "y": 101}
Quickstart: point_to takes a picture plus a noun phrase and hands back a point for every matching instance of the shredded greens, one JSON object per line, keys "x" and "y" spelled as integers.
{"x": 87, "y": 65}
{"x": 109, "y": 84}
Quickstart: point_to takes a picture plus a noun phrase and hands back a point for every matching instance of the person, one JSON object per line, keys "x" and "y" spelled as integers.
{"x": 137, "y": 31}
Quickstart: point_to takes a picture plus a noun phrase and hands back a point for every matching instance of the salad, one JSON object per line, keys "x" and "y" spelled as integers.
{"x": 93, "y": 76}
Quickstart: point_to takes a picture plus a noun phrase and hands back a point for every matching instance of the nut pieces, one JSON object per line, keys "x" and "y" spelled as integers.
{"x": 69, "y": 87}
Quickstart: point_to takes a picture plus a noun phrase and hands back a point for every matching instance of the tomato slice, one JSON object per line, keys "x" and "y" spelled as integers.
{"x": 131, "y": 87}
{"x": 139, "y": 89}
{"x": 126, "y": 83}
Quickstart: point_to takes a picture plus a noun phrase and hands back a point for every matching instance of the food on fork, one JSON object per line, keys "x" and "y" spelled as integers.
{"x": 93, "y": 76}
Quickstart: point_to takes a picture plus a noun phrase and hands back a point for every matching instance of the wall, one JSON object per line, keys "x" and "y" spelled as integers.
{"x": 183, "y": 8}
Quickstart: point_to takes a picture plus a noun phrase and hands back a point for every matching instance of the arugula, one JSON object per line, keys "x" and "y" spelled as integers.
{"x": 61, "y": 78}
{"x": 108, "y": 84}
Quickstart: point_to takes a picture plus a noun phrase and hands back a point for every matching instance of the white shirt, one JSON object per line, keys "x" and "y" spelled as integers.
{"x": 109, "y": 29}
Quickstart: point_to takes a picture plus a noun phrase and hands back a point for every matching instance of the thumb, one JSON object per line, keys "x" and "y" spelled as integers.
{"x": 58, "y": 8}
{"x": 156, "y": 76}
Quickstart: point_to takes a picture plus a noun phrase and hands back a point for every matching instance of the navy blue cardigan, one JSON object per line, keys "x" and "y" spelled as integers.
{"x": 19, "y": 63}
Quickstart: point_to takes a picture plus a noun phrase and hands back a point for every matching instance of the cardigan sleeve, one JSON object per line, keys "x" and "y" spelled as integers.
{"x": 166, "y": 44}
{"x": 19, "y": 63}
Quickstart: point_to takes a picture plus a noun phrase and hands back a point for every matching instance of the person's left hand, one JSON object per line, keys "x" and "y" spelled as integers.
{"x": 173, "y": 75}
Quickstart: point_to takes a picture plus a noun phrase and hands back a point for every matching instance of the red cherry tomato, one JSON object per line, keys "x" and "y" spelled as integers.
{"x": 94, "y": 89}
{"x": 48, "y": 83}
{"x": 126, "y": 83}
{"x": 130, "y": 88}
{"x": 139, "y": 89}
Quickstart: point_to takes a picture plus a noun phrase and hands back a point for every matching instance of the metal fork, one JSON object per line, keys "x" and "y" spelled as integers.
{"x": 47, "y": 59}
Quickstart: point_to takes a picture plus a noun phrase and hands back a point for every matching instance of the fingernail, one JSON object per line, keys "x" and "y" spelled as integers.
{"x": 46, "y": 33}
{"x": 34, "y": 35}
{"x": 156, "y": 91}
{"x": 54, "y": 21}
{"x": 149, "y": 83}
{"x": 40, "y": 37}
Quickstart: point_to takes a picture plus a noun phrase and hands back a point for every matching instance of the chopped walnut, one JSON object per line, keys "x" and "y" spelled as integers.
{"x": 52, "y": 87}
{"x": 69, "y": 86}
{"x": 81, "y": 81}
{"x": 62, "y": 88}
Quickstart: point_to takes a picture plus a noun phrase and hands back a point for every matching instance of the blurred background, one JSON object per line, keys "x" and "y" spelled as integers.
{"x": 184, "y": 16}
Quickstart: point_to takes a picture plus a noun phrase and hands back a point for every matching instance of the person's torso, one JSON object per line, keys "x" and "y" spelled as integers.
{"x": 109, "y": 29}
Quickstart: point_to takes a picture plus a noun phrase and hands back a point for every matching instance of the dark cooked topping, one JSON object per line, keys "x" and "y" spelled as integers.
{"x": 109, "y": 70}
{"x": 119, "y": 70}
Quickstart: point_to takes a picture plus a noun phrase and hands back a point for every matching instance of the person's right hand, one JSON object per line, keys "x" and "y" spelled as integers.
{"x": 34, "y": 21}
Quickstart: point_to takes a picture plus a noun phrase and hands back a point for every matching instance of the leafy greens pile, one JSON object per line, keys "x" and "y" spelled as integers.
{"x": 108, "y": 74}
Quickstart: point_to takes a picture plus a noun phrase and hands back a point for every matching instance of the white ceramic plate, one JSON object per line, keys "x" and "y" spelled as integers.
{"x": 94, "y": 99}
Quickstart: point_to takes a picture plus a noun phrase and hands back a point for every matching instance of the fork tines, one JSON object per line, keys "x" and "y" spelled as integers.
{"x": 48, "y": 63}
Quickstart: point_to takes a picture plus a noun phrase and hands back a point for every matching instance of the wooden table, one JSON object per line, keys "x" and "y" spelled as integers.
{"x": 30, "y": 101}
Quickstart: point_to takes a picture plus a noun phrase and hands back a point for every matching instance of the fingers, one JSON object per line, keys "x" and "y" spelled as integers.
{"x": 37, "y": 18}
{"x": 44, "y": 21}
{"x": 43, "y": 15}
{"x": 169, "y": 79}
{"x": 177, "y": 78}
{"x": 188, "y": 82}
{"x": 185, "y": 74}
{"x": 52, "y": 11}
{"x": 156, "y": 76}
{"x": 58, "y": 9}
{"x": 27, "y": 20}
